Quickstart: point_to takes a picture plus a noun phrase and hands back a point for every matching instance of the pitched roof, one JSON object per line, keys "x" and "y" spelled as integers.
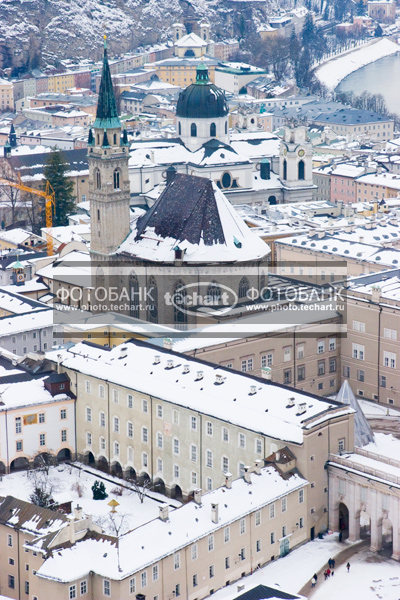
{"x": 29, "y": 517}
{"x": 262, "y": 592}
{"x": 362, "y": 431}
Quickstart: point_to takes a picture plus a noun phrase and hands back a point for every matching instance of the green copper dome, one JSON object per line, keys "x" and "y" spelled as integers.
{"x": 202, "y": 99}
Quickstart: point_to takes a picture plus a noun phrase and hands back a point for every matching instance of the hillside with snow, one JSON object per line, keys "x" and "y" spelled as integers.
{"x": 65, "y": 28}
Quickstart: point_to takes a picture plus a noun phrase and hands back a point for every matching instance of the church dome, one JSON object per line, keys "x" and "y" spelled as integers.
{"x": 203, "y": 99}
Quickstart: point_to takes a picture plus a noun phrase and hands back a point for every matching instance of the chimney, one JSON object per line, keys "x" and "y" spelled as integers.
{"x": 123, "y": 352}
{"x": 247, "y": 474}
{"x": 199, "y": 375}
{"x": 219, "y": 378}
{"x": 361, "y": 239}
{"x": 266, "y": 373}
{"x": 253, "y": 390}
{"x": 167, "y": 343}
{"x": 301, "y": 408}
{"x": 277, "y": 455}
{"x": 321, "y": 234}
{"x": 257, "y": 466}
{"x": 376, "y": 293}
{"x": 157, "y": 359}
{"x": 197, "y": 496}
{"x": 228, "y": 481}
{"x": 290, "y": 402}
{"x": 59, "y": 357}
{"x": 163, "y": 514}
{"x": 170, "y": 364}
{"x": 186, "y": 368}
{"x": 78, "y": 513}
{"x": 214, "y": 513}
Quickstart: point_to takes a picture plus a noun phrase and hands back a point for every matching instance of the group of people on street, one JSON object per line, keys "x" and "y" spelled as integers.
{"x": 330, "y": 571}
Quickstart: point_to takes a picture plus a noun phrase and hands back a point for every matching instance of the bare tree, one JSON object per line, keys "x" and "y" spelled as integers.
{"x": 43, "y": 485}
{"x": 141, "y": 490}
{"x": 117, "y": 524}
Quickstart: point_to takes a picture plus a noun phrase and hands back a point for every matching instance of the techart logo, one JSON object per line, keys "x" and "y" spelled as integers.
{"x": 205, "y": 298}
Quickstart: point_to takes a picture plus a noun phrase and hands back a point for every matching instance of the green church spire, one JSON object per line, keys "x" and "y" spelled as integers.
{"x": 106, "y": 115}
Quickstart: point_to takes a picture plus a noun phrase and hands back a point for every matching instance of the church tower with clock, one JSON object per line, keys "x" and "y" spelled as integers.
{"x": 295, "y": 164}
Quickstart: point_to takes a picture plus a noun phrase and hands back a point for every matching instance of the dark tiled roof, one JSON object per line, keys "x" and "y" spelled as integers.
{"x": 262, "y": 592}
{"x": 107, "y": 114}
{"x": 32, "y": 164}
{"x": 57, "y": 378}
{"x": 186, "y": 210}
{"x": 23, "y": 513}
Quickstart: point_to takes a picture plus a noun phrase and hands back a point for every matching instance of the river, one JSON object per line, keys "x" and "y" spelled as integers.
{"x": 380, "y": 77}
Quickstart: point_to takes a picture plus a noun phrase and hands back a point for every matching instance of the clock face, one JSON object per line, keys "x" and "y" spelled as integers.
{"x": 20, "y": 277}
{"x": 301, "y": 152}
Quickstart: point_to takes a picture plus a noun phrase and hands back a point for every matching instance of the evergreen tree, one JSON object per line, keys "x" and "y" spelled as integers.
{"x": 360, "y": 8}
{"x": 309, "y": 30}
{"x": 55, "y": 173}
{"x": 378, "y": 31}
{"x": 42, "y": 498}
{"x": 99, "y": 490}
{"x": 294, "y": 48}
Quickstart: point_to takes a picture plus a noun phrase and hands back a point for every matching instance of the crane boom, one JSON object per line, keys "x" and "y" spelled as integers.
{"x": 50, "y": 203}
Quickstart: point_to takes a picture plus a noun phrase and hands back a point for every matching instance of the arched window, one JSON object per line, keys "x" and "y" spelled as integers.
{"x": 214, "y": 292}
{"x": 213, "y": 130}
{"x": 244, "y": 287}
{"x": 115, "y": 139}
{"x": 301, "y": 170}
{"x": 116, "y": 180}
{"x": 179, "y": 128}
{"x": 179, "y": 295}
{"x": 272, "y": 200}
{"x": 134, "y": 295}
{"x": 97, "y": 179}
{"x": 193, "y": 130}
{"x": 152, "y": 298}
{"x": 98, "y": 140}
{"x": 226, "y": 127}
{"x": 284, "y": 169}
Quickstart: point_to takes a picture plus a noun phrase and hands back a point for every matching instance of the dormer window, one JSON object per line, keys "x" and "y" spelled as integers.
{"x": 193, "y": 130}
{"x": 178, "y": 253}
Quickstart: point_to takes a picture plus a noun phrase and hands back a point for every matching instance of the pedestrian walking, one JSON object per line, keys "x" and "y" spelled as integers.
{"x": 328, "y": 572}
{"x": 332, "y": 573}
{"x": 333, "y": 563}
{"x": 326, "y": 575}
{"x": 313, "y": 582}
{"x": 330, "y": 561}
{"x": 348, "y": 567}
{"x": 340, "y": 536}
{"x": 315, "y": 577}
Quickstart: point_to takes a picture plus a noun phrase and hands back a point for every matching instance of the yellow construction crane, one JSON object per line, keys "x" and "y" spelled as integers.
{"x": 50, "y": 203}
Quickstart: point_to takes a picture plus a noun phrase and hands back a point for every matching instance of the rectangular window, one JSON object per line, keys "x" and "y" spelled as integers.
{"x": 129, "y": 429}
{"x": 227, "y": 534}
{"x": 271, "y": 511}
{"x": 321, "y": 367}
{"x": 159, "y": 465}
{"x": 209, "y": 428}
{"x": 177, "y": 561}
{"x": 116, "y": 448}
{"x": 258, "y": 546}
{"x": 257, "y": 518}
{"x": 359, "y": 326}
{"x": 346, "y": 372}
{"x": 267, "y": 360}
{"x": 301, "y": 496}
{"x": 176, "y": 471}
{"x": 194, "y": 478}
{"x": 332, "y": 365}
{"x": 227, "y": 562}
{"x": 175, "y": 417}
{"x": 42, "y": 439}
{"x": 341, "y": 444}
{"x": 130, "y": 401}
{"x": 83, "y": 587}
{"x": 193, "y": 453}
{"x": 225, "y": 434}
{"x": 102, "y": 391}
{"x": 209, "y": 459}
{"x": 332, "y": 344}
{"x": 390, "y": 334}
{"x": 145, "y": 460}
{"x": 360, "y": 375}
{"x": 176, "y": 446}
{"x": 177, "y": 590}
{"x": 209, "y": 484}
{"x": 272, "y": 537}
{"x": 358, "y": 351}
{"x": 301, "y": 373}
{"x": 194, "y": 552}
{"x": 145, "y": 406}
{"x": 143, "y": 579}
{"x": 211, "y": 571}
{"x": 389, "y": 360}
{"x": 284, "y": 504}
{"x": 321, "y": 347}
{"x": 193, "y": 423}
{"x": 382, "y": 381}
{"x": 9, "y": 540}
{"x": 41, "y": 418}
{"x": 63, "y": 413}
{"x": 287, "y": 354}
{"x": 300, "y": 351}
{"x": 159, "y": 411}
{"x": 225, "y": 464}
{"x": 88, "y": 387}
{"x": 72, "y": 591}
{"x": 242, "y": 440}
{"x": 242, "y": 526}
{"x": 159, "y": 440}
{"x": 88, "y": 414}
{"x": 259, "y": 446}
{"x": 18, "y": 425}
{"x": 155, "y": 572}
{"x": 132, "y": 585}
{"x": 210, "y": 543}
{"x": 115, "y": 396}
{"x": 102, "y": 443}
{"x": 284, "y": 531}
{"x": 63, "y": 435}
{"x": 287, "y": 376}
{"x": 145, "y": 435}
{"x": 301, "y": 522}
{"x": 116, "y": 424}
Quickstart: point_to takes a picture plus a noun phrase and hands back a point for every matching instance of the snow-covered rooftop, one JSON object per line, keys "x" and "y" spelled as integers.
{"x": 265, "y": 411}
{"x": 26, "y": 322}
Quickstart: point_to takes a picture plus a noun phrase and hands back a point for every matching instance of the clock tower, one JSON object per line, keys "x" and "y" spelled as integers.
{"x": 295, "y": 162}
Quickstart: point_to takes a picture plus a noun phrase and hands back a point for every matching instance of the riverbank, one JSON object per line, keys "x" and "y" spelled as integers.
{"x": 335, "y": 70}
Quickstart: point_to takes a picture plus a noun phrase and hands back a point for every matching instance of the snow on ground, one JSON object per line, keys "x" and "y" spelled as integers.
{"x": 371, "y": 577}
{"x": 64, "y": 478}
{"x": 385, "y": 445}
{"x": 371, "y": 409}
{"x": 332, "y": 72}
{"x": 292, "y": 572}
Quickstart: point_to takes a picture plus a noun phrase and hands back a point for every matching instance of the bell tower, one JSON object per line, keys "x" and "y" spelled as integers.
{"x": 108, "y": 156}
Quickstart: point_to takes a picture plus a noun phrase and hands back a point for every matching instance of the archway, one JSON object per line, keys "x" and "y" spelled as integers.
{"x": 284, "y": 169}
{"x": 159, "y": 486}
{"x": 301, "y": 168}
{"x": 343, "y": 520}
{"x": 102, "y": 464}
{"x": 43, "y": 459}
{"x": 176, "y": 492}
{"x": 365, "y": 525}
{"x": 130, "y": 474}
{"x": 64, "y": 454}
{"x": 272, "y": 200}
{"x": 116, "y": 469}
{"x": 144, "y": 478}
{"x": 387, "y": 536}
{"x": 19, "y": 464}
{"x": 89, "y": 459}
